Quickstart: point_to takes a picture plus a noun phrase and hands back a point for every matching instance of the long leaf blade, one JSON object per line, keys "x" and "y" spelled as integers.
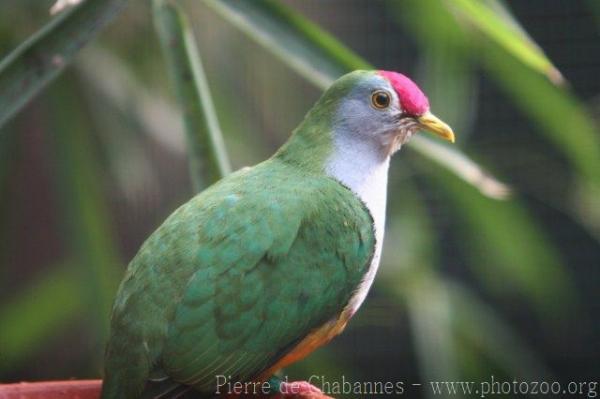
{"x": 40, "y": 59}
{"x": 482, "y": 327}
{"x": 86, "y": 219}
{"x": 498, "y": 29}
{"x": 207, "y": 156}
{"x": 507, "y": 250}
{"x": 560, "y": 116}
{"x": 38, "y": 311}
{"x": 320, "y": 58}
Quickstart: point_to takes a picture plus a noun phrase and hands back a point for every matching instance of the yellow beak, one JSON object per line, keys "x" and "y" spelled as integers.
{"x": 433, "y": 124}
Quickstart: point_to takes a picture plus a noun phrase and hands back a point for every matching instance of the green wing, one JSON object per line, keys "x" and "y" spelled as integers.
{"x": 240, "y": 274}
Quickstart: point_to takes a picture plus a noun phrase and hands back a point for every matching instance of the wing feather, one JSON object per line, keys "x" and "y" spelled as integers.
{"x": 236, "y": 277}
{"x": 304, "y": 266}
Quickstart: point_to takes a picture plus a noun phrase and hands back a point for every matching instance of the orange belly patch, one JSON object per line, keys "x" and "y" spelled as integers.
{"x": 314, "y": 340}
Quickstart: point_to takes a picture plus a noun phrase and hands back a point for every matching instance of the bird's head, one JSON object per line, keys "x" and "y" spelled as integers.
{"x": 385, "y": 107}
{"x": 373, "y": 111}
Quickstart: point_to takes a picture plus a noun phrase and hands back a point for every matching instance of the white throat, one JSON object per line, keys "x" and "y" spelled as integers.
{"x": 356, "y": 165}
{"x": 365, "y": 173}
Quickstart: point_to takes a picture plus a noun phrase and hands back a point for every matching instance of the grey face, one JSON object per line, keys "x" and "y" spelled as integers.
{"x": 372, "y": 113}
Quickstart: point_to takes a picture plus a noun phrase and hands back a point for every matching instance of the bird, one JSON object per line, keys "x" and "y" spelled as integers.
{"x": 270, "y": 262}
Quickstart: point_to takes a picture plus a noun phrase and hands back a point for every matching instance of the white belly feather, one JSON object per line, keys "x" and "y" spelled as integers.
{"x": 370, "y": 185}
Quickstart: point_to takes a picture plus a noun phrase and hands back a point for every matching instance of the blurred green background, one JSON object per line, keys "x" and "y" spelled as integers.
{"x": 473, "y": 282}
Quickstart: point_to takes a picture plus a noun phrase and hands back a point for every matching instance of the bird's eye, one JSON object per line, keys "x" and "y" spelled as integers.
{"x": 380, "y": 99}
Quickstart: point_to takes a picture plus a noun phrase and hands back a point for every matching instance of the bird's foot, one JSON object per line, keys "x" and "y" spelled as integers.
{"x": 294, "y": 389}
{"x": 298, "y": 388}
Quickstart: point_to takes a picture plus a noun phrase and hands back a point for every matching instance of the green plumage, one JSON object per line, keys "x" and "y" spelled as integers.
{"x": 240, "y": 274}
{"x": 236, "y": 277}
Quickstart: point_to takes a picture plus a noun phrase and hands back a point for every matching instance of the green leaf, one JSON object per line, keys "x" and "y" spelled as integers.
{"x": 594, "y": 7}
{"x": 109, "y": 77}
{"x": 431, "y": 324}
{"x": 407, "y": 271}
{"x": 500, "y": 28}
{"x": 87, "y": 229}
{"x": 561, "y": 117}
{"x": 10, "y": 147}
{"x": 310, "y": 51}
{"x": 464, "y": 167}
{"x": 446, "y": 319}
{"x": 483, "y": 329}
{"x": 507, "y": 250}
{"x": 38, "y": 311}
{"x": 40, "y": 59}
{"x": 207, "y": 156}
{"x": 320, "y": 58}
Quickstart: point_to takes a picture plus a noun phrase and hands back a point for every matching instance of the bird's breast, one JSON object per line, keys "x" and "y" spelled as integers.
{"x": 371, "y": 188}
